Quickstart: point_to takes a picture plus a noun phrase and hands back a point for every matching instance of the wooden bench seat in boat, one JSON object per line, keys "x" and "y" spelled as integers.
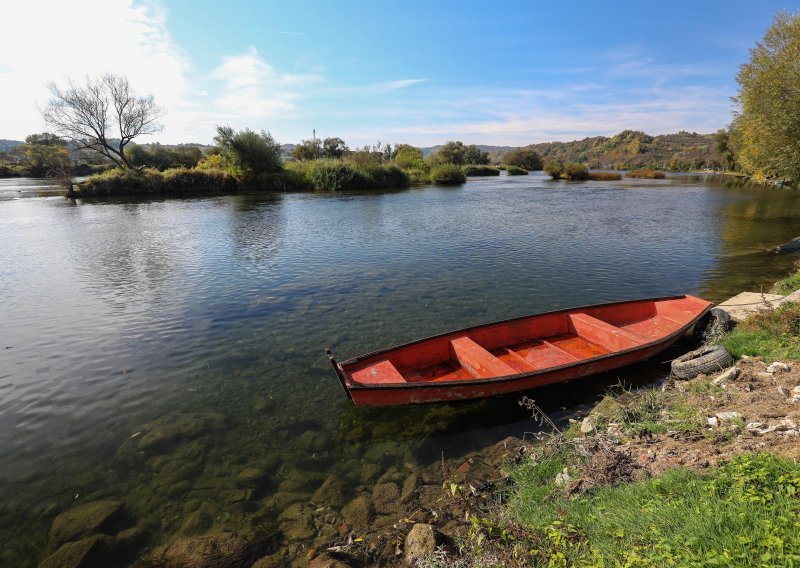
{"x": 478, "y": 361}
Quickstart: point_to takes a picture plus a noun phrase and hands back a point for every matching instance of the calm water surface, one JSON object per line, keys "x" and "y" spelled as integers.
{"x": 199, "y": 324}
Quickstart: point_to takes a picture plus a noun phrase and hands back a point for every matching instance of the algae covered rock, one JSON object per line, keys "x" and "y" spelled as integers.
{"x": 420, "y": 542}
{"x": 385, "y": 496}
{"x": 223, "y": 550}
{"x": 89, "y": 552}
{"x": 85, "y": 519}
{"x": 606, "y": 410}
{"x": 359, "y": 512}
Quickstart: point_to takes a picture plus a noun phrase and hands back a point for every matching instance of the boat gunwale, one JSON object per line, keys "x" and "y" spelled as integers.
{"x": 504, "y": 378}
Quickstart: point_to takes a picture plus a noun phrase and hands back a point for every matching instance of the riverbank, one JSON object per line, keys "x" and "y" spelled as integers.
{"x": 691, "y": 472}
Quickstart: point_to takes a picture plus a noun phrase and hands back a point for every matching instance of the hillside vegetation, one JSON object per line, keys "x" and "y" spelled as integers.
{"x": 634, "y": 150}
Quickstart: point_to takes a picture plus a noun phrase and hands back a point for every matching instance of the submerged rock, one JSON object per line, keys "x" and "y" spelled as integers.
{"x": 223, "y": 550}
{"x": 385, "y": 496}
{"x": 89, "y": 552}
{"x": 83, "y": 520}
{"x": 420, "y": 543}
{"x": 359, "y": 512}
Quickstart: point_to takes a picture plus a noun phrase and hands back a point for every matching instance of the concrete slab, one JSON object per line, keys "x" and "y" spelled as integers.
{"x": 747, "y": 303}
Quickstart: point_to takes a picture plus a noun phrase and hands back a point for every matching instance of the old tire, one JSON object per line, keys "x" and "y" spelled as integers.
{"x": 716, "y": 322}
{"x": 709, "y": 359}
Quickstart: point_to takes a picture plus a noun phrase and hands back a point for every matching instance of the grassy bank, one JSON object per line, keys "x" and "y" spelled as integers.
{"x": 319, "y": 175}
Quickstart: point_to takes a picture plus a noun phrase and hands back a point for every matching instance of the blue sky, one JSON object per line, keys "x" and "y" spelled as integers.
{"x": 418, "y": 72}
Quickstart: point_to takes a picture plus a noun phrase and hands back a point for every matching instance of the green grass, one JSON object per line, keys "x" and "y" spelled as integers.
{"x": 472, "y": 170}
{"x": 787, "y": 285}
{"x": 745, "y": 513}
{"x": 516, "y": 171}
{"x": 447, "y": 174}
{"x": 770, "y": 334}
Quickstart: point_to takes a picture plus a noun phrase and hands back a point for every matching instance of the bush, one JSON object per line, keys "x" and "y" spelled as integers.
{"x": 789, "y": 284}
{"x": 646, "y": 174}
{"x": 150, "y": 181}
{"x": 337, "y": 175}
{"x": 526, "y": 158}
{"x": 287, "y": 180}
{"x": 554, "y": 168}
{"x": 604, "y": 176}
{"x": 473, "y": 170}
{"x": 183, "y": 179}
{"x": 515, "y": 171}
{"x": 447, "y": 174}
{"x": 770, "y": 334}
{"x": 575, "y": 171}
{"x": 254, "y": 153}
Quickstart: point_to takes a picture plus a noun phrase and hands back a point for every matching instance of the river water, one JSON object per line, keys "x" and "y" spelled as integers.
{"x": 150, "y": 351}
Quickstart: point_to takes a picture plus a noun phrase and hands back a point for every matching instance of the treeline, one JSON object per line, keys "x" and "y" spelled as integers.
{"x": 631, "y": 149}
{"x": 248, "y": 160}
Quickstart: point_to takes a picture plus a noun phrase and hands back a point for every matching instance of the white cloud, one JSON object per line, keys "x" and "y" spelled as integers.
{"x": 50, "y": 40}
{"x": 252, "y": 90}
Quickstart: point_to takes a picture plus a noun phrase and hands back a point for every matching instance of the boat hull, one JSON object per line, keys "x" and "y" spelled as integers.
{"x": 519, "y": 354}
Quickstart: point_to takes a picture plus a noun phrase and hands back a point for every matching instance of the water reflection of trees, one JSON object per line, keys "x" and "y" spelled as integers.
{"x": 753, "y": 222}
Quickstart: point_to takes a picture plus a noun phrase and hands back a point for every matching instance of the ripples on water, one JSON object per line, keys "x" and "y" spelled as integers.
{"x": 115, "y": 314}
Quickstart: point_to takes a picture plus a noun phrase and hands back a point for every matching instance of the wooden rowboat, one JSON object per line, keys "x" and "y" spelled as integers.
{"x": 518, "y": 354}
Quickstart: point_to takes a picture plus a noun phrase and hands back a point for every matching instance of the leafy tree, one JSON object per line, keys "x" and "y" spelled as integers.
{"x": 103, "y": 115}
{"x": 724, "y": 154}
{"x": 459, "y": 154}
{"x": 526, "y": 158}
{"x": 573, "y": 171}
{"x": 554, "y": 168}
{"x": 407, "y": 156}
{"x": 45, "y": 139}
{"x": 308, "y": 150}
{"x": 250, "y": 151}
{"x": 334, "y": 148}
{"x": 45, "y": 159}
{"x": 768, "y": 117}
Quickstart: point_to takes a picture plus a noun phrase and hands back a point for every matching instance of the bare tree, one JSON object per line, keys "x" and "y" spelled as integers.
{"x": 103, "y": 115}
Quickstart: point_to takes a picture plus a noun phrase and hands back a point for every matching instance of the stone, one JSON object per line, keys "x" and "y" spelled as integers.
{"x": 385, "y": 496}
{"x": 359, "y": 512}
{"x": 607, "y": 409}
{"x": 783, "y": 391}
{"x": 222, "y": 550}
{"x": 764, "y": 375}
{"x": 586, "y": 426}
{"x": 277, "y": 560}
{"x": 784, "y": 425}
{"x": 615, "y": 429}
{"x": 330, "y": 493}
{"x": 778, "y": 367}
{"x": 795, "y": 394}
{"x": 252, "y": 478}
{"x": 727, "y": 375}
{"x": 420, "y": 543}
{"x": 410, "y": 486}
{"x": 713, "y": 421}
{"x": 85, "y": 519}
{"x": 297, "y": 522}
{"x": 369, "y": 471}
{"x": 89, "y": 552}
{"x": 563, "y": 477}
{"x": 163, "y": 433}
{"x": 757, "y": 428}
{"x": 728, "y": 416}
{"x": 327, "y": 560}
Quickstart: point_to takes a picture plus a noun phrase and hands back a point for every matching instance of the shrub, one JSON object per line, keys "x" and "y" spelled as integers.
{"x": 287, "y": 180}
{"x": 646, "y": 174}
{"x": 554, "y": 168}
{"x": 604, "y": 176}
{"x": 479, "y": 170}
{"x": 419, "y": 175}
{"x": 575, "y": 171}
{"x": 526, "y": 158}
{"x": 515, "y": 171}
{"x": 789, "y": 284}
{"x": 447, "y": 174}
{"x": 254, "y": 153}
{"x": 770, "y": 334}
{"x": 121, "y": 182}
{"x": 337, "y": 175}
{"x": 183, "y": 179}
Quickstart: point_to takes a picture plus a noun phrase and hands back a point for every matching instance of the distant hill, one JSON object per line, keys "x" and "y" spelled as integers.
{"x": 634, "y": 149}
{"x": 6, "y": 145}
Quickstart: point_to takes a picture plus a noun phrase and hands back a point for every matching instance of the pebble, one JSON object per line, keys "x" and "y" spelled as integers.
{"x": 728, "y": 375}
{"x": 783, "y": 391}
{"x": 564, "y": 478}
{"x": 778, "y": 367}
{"x": 587, "y": 426}
{"x": 795, "y": 394}
{"x": 727, "y": 416}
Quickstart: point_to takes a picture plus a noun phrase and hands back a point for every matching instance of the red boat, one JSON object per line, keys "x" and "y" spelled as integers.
{"x": 518, "y": 354}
